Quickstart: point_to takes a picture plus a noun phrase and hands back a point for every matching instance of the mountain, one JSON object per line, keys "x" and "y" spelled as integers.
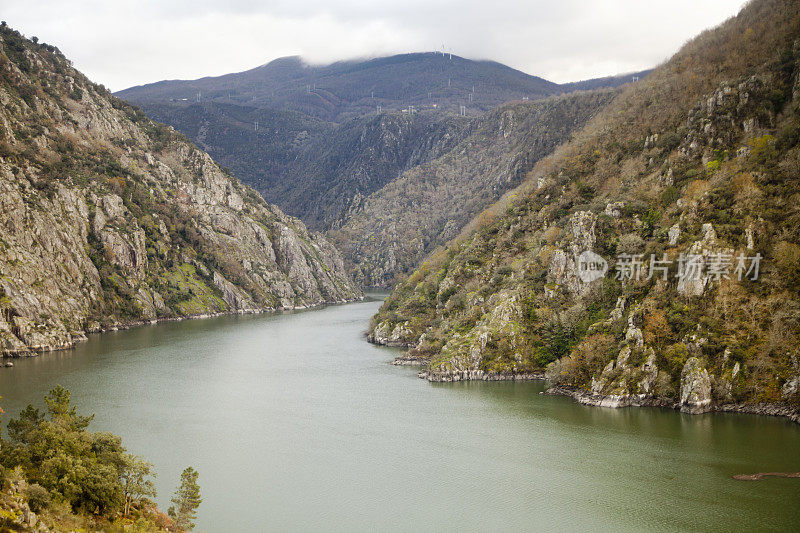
{"x": 685, "y": 187}
{"x": 352, "y": 88}
{"x": 314, "y": 169}
{"x": 111, "y": 219}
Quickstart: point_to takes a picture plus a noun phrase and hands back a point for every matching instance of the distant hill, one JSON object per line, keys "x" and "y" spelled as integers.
{"x": 347, "y": 88}
{"x": 343, "y": 89}
{"x": 606, "y": 82}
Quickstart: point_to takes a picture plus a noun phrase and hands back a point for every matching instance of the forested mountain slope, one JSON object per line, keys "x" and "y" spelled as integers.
{"x": 684, "y": 184}
{"x": 109, "y": 218}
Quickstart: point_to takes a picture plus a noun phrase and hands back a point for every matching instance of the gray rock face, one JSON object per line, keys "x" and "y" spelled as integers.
{"x": 392, "y": 229}
{"x": 613, "y": 209}
{"x": 694, "y": 277}
{"x": 563, "y": 268}
{"x": 388, "y": 334}
{"x": 695, "y": 394}
{"x": 791, "y": 387}
{"x": 153, "y": 230}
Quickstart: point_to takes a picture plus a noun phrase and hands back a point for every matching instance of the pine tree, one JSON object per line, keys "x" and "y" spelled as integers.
{"x": 186, "y": 501}
{"x": 135, "y": 482}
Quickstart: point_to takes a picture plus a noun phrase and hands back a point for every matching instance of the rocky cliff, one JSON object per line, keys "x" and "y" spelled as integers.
{"x": 109, "y": 218}
{"x": 654, "y": 259}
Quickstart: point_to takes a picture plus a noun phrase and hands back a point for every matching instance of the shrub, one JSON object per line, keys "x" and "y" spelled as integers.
{"x": 38, "y": 497}
{"x": 669, "y": 196}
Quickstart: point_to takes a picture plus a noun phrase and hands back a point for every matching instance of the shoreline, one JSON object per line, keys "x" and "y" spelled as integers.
{"x": 82, "y": 336}
{"x": 610, "y": 402}
{"x": 614, "y": 402}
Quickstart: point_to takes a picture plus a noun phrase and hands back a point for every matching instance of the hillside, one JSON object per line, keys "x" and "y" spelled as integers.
{"x": 389, "y": 232}
{"x": 327, "y": 182}
{"x": 684, "y": 184}
{"x": 606, "y": 82}
{"x": 260, "y": 145}
{"x": 110, "y": 219}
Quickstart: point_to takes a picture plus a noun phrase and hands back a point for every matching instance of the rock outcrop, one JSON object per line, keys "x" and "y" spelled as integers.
{"x": 695, "y": 395}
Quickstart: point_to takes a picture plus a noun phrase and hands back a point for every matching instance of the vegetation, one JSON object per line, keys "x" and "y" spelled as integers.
{"x": 706, "y": 149}
{"x": 72, "y": 478}
{"x": 186, "y": 500}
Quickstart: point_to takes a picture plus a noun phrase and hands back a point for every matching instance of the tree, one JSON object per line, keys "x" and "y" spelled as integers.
{"x": 135, "y": 482}
{"x": 62, "y": 412}
{"x": 55, "y": 450}
{"x": 186, "y": 500}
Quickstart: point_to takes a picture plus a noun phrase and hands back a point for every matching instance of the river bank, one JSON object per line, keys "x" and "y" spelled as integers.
{"x": 78, "y": 337}
{"x": 615, "y": 402}
{"x": 597, "y": 400}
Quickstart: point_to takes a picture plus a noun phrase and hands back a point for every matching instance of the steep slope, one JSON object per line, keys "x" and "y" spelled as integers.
{"x": 684, "y": 184}
{"x": 260, "y": 145}
{"x": 389, "y": 232}
{"x": 313, "y": 169}
{"x": 348, "y": 88}
{"x": 330, "y": 178}
{"x": 109, "y": 218}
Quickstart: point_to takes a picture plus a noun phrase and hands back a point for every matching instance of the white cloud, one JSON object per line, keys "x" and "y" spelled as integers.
{"x": 125, "y": 42}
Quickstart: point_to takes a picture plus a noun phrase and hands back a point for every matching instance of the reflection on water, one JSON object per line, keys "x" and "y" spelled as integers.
{"x": 296, "y": 423}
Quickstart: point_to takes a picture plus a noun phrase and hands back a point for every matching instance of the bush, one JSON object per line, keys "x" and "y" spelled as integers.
{"x": 38, "y": 497}
{"x": 669, "y": 196}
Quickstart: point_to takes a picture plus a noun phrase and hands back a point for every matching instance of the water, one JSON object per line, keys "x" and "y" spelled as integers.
{"x": 295, "y": 423}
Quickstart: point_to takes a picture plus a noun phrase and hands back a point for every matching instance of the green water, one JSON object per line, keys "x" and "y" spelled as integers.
{"x": 295, "y": 423}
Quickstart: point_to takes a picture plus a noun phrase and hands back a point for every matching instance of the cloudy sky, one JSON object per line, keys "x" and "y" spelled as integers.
{"x": 121, "y": 43}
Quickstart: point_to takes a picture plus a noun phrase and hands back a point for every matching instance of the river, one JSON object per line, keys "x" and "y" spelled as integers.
{"x": 296, "y": 423}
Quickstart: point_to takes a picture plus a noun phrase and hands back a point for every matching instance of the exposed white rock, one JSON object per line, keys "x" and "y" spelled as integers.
{"x": 791, "y": 387}
{"x": 695, "y": 396}
{"x": 619, "y": 309}
{"x": 674, "y": 234}
{"x": 613, "y": 209}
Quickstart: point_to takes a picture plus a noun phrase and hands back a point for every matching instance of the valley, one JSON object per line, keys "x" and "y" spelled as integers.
{"x": 437, "y": 293}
